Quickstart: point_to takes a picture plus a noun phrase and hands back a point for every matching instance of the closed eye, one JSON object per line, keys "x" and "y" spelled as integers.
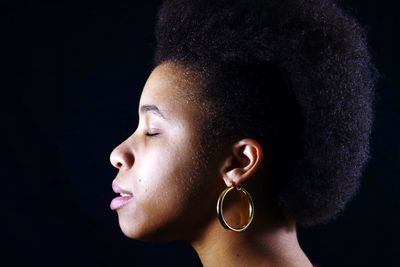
{"x": 151, "y": 134}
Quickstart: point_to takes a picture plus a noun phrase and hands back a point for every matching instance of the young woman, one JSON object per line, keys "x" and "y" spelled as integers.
{"x": 256, "y": 118}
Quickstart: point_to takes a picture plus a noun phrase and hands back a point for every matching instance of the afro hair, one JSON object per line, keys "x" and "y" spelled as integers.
{"x": 299, "y": 74}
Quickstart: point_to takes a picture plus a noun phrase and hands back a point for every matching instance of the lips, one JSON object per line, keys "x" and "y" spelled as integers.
{"x": 124, "y": 197}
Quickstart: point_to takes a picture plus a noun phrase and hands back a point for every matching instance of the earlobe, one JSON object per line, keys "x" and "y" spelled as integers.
{"x": 243, "y": 163}
{"x": 233, "y": 177}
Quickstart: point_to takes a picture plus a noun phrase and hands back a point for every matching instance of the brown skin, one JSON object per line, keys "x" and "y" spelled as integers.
{"x": 175, "y": 183}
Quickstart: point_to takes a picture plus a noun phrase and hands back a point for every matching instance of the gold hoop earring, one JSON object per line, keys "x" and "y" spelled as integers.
{"x": 220, "y": 210}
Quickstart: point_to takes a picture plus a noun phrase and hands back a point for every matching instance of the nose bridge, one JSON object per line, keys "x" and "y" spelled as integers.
{"x": 122, "y": 157}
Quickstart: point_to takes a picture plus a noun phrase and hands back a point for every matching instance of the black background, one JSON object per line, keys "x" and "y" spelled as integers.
{"x": 72, "y": 74}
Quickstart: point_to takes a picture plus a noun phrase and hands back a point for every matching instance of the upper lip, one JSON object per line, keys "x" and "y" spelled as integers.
{"x": 118, "y": 189}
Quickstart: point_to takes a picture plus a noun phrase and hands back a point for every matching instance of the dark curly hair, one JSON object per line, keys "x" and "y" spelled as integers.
{"x": 294, "y": 74}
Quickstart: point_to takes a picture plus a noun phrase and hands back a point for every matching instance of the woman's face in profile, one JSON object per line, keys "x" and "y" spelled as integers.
{"x": 161, "y": 165}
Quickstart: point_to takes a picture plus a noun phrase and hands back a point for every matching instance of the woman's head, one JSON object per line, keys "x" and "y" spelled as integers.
{"x": 278, "y": 90}
{"x": 170, "y": 173}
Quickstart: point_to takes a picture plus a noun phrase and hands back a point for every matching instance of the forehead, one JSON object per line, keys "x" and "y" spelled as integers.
{"x": 173, "y": 89}
{"x": 169, "y": 81}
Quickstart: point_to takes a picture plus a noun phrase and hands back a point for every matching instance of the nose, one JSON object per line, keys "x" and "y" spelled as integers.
{"x": 122, "y": 157}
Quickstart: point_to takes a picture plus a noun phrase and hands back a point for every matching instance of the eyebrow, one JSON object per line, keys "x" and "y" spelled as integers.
{"x": 151, "y": 108}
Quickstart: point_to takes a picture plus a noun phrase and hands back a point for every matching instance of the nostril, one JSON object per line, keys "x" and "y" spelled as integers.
{"x": 116, "y": 158}
{"x": 122, "y": 157}
{"x": 115, "y": 162}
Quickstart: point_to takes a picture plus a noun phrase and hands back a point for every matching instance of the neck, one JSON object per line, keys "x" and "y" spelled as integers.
{"x": 276, "y": 247}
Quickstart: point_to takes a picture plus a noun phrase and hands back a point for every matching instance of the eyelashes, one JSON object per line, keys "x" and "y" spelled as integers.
{"x": 152, "y": 134}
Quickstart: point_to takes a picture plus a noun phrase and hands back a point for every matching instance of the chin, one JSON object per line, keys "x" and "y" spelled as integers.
{"x": 134, "y": 231}
{"x": 128, "y": 232}
{"x": 131, "y": 230}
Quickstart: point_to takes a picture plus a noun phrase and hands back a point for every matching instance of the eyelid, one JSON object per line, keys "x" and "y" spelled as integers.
{"x": 152, "y": 132}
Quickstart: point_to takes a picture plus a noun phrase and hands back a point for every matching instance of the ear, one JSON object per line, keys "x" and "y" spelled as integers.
{"x": 242, "y": 163}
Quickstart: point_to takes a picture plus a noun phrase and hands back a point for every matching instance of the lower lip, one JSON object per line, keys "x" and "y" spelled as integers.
{"x": 118, "y": 202}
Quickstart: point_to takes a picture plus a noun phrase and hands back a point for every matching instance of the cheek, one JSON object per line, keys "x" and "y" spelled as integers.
{"x": 164, "y": 183}
{"x": 160, "y": 169}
